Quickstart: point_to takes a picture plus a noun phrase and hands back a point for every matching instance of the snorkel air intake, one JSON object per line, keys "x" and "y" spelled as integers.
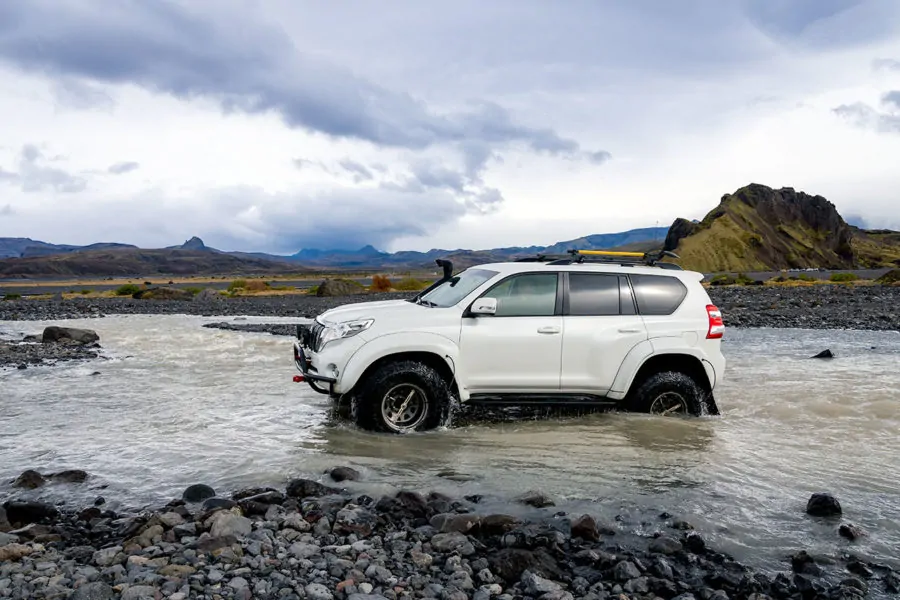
{"x": 447, "y": 267}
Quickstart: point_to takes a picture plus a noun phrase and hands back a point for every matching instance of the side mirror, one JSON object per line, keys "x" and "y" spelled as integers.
{"x": 484, "y": 306}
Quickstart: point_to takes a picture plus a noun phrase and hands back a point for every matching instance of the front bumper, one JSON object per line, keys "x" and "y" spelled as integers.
{"x": 310, "y": 374}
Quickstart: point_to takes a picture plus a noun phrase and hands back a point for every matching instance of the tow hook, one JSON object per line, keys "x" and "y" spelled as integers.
{"x": 298, "y": 378}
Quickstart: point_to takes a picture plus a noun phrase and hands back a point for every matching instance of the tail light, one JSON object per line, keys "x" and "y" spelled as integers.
{"x": 716, "y": 324}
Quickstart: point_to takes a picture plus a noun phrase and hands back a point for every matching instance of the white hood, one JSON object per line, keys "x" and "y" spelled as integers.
{"x": 367, "y": 310}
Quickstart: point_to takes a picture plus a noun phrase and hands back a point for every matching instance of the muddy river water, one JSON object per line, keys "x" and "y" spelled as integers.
{"x": 176, "y": 404}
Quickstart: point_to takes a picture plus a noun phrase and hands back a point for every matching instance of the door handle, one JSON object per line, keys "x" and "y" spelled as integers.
{"x": 629, "y": 331}
{"x": 549, "y": 329}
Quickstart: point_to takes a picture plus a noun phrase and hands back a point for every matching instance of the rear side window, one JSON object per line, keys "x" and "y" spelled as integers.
{"x": 658, "y": 294}
{"x": 592, "y": 294}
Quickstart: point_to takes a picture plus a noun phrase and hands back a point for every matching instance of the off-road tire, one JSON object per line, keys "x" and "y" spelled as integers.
{"x": 656, "y": 391}
{"x": 407, "y": 376}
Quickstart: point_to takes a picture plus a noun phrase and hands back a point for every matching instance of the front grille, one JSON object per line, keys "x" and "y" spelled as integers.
{"x": 315, "y": 335}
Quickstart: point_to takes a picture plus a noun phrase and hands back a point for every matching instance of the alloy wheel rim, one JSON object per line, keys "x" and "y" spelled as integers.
{"x": 404, "y": 406}
{"x": 669, "y": 403}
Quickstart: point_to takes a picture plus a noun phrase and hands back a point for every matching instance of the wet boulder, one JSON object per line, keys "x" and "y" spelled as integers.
{"x": 25, "y": 513}
{"x": 850, "y": 532}
{"x": 340, "y": 474}
{"x": 198, "y": 493}
{"x": 29, "y": 480}
{"x": 70, "y": 476}
{"x": 536, "y": 499}
{"x": 306, "y": 488}
{"x": 823, "y": 505}
{"x": 55, "y": 334}
{"x": 824, "y": 354}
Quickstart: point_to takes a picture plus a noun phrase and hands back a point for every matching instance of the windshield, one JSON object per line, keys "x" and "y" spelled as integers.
{"x": 453, "y": 290}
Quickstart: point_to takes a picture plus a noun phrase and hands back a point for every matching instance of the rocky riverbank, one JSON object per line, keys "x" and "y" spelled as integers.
{"x": 871, "y": 307}
{"x": 320, "y": 540}
{"x": 54, "y": 345}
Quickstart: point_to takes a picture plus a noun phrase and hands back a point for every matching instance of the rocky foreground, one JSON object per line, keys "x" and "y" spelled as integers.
{"x": 319, "y": 541}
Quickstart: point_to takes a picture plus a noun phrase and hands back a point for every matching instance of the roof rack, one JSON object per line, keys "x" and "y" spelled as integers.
{"x": 650, "y": 259}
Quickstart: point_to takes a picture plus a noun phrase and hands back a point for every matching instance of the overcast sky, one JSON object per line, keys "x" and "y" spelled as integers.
{"x": 275, "y": 125}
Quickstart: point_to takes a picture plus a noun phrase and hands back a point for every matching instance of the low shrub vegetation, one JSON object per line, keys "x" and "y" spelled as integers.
{"x": 380, "y": 283}
{"x": 128, "y": 289}
{"x": 844, "y": 277}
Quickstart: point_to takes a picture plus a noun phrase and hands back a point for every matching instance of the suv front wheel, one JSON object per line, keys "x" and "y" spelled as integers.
{"x": 668, "y": 393}
{"x": 402, "y": 397}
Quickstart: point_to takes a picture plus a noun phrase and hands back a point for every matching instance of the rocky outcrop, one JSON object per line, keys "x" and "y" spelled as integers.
{"x": 679, "y": 230}
{"x": 758, "y": 228}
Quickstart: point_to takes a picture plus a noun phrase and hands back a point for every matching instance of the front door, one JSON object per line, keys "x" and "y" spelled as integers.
{"x": 519, "y": 349}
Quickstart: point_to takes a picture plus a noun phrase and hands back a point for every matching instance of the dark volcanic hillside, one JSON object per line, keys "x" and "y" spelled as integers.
{"x": 758, "y": 228}
{"x": 134, "y": 262}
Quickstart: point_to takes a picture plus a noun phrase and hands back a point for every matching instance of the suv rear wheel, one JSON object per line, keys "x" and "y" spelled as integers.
{"x": 401, "y": 397}
{"x": 668, "y": 393}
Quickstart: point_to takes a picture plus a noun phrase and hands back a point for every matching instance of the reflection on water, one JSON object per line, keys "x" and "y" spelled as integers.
{"x": 177, "y": 404}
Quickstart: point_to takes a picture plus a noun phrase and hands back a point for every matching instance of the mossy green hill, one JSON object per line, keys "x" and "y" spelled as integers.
{"x": 758, "y": 228}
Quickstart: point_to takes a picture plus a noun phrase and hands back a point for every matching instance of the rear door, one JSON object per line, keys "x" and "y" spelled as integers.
{"x": 517, "y": 350}
{"x": 601, "y": 326}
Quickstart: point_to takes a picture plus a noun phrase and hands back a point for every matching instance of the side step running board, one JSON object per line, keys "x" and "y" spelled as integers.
{"x": 567, "y": 400}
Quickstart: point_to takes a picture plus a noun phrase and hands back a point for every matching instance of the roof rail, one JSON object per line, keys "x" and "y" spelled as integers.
{"x": 650, "y": 259}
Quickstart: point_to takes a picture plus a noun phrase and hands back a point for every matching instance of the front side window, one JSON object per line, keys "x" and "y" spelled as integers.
{"x": 528, "y": 295}
{"x": 455, "y": 289}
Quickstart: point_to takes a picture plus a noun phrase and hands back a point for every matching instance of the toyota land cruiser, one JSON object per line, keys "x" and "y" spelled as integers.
{"x": 590, "y": 329}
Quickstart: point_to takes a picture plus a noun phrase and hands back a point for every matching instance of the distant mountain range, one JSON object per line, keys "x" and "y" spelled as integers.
{"x": 23, "y": 257}
{"x": 756, "y": 228}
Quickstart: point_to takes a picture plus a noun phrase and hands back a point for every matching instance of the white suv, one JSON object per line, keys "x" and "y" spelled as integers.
{"x": 643, "y": 336}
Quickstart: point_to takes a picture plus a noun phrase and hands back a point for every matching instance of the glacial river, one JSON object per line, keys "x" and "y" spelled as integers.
{"x": 176, "y": 404}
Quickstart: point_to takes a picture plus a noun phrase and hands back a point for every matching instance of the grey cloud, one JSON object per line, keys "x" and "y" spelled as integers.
{"x": 892, "y": 98}
{"x": 6, "y": 210}
{"x": 123, "y": 167}
{"x": 76, "y": 94}
{"x": 887, "y": 64}
{"x": 188, "y": 54}
{"x": 35, "y": 175}
{"x": 358, "y": 170}
{"x": 864, "y": 116}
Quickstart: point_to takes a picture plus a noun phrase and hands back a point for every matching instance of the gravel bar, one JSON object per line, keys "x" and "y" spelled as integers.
{"x": 824, "y": 306}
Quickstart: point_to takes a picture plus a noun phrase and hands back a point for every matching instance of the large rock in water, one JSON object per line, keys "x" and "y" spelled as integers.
{"x": 823, "y": 505}
{"x": 69, "y": 334}
{"x": 339, "y": 287}
{"x": 163, "y": 293}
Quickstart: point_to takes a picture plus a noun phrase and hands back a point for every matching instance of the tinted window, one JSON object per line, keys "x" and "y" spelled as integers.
{"x": 593, "y": 294}
{"x": 658, "y": 294}
{"x": 532, "y": 295}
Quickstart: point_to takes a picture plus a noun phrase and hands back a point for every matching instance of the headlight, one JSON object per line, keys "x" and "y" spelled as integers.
{"x": 344, "y": 330}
